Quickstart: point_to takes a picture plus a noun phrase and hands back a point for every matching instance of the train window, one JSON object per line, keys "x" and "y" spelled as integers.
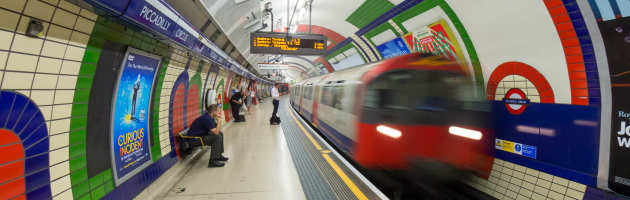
{"x": 333, "y": 96}
{"x": 412, "y": 90}
{"x": 308, "y": 92}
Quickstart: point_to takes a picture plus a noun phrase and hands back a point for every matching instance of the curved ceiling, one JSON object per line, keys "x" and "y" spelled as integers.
{"x": 336, "y": 19}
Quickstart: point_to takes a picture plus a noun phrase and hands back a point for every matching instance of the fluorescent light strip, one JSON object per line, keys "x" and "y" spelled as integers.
{"x": 464, "y": 132}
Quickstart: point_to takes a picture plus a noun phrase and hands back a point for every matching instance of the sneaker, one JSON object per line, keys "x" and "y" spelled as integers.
{"x": 212, "y": 164}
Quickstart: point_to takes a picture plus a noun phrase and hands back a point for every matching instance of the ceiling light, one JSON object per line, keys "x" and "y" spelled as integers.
{"x": 464, "y": 132}
{"x": 386, "y": 130}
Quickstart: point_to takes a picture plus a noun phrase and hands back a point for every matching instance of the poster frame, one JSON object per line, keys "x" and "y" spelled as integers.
{"x": 120, "y": 180}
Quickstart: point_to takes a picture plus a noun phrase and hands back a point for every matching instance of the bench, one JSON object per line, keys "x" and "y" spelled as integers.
{"x": 188, "y": 143}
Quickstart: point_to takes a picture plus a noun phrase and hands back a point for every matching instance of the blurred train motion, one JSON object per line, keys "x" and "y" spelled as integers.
{"x": 410, "y": 119}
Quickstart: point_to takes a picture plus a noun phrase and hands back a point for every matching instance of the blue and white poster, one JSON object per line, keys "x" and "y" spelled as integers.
{"x": 131, "y": 111}
{"x": 395, "y": 47}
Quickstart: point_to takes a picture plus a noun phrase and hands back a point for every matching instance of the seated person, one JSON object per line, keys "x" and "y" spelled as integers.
{"x": 206, "y": 127}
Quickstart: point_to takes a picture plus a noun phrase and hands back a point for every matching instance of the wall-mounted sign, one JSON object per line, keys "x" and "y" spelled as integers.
{"x": 272, "y": 66}
{"x": 515, "y": 148}
{"x": 282, "y": 43}
{"x": 395, "y": 47}
{"x": 515, "y": 101}
{"x": 131, "y": 114}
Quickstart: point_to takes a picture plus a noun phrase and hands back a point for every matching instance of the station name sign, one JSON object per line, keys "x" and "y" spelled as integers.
{"x": 270, "y": 66}
{"x": 282, "y": 43}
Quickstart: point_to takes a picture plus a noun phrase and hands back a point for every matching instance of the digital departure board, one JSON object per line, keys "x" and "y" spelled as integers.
{"x": 281, "y": 43}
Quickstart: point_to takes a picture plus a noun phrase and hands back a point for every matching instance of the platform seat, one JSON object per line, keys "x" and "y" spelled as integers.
{"x": 188, "y": 143}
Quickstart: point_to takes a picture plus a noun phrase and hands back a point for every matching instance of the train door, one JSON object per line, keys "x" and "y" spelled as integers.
{"x": 315, "y": 103}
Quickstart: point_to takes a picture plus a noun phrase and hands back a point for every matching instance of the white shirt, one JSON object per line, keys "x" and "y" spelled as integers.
{"x": 274, "y": 93}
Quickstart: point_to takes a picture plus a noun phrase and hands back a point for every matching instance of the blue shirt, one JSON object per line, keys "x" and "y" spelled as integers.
{"x": 202, "y": 125}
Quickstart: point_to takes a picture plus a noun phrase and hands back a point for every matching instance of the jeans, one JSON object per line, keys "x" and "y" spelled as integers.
{"x": 275, "y": 108}
{"x": 216, "y": 144}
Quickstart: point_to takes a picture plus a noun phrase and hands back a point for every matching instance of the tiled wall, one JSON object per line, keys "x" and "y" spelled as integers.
{"x": 46, "y": 69}
{"x": 511, "y": 181}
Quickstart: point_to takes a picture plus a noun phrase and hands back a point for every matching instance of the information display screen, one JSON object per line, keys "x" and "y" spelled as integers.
{"x": 281, "y": 43}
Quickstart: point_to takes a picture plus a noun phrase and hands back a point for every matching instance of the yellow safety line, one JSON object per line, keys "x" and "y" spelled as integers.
{"x": 357, "y": 192}
{"x": 317, "y": 146}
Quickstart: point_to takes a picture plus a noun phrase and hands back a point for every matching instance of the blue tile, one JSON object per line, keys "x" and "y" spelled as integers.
{"x": 29, "y": 113}
{"x": 37, "y": 180}
{"x": 589, "y": 66}
{"x": 41, "y": 193}
{"x": 589, "y": 58}
{"x": 41, "y": 146}
{"x": 36, "y": 163}
{"x": 34, "y": 136}
{"x": 15, "y": 111}
{"x": 6, "y": 102}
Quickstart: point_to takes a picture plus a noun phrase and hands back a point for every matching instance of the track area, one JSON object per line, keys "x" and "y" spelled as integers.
{"x": 322, "y": 171}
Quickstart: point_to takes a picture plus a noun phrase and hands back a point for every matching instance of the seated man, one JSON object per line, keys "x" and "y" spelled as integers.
{"x": 206, "y": 127}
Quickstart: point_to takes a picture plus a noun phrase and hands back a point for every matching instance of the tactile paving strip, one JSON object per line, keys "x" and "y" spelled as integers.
{"x": 319, "y": 180}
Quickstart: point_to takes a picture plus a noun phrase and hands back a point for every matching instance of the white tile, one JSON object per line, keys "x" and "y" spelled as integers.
{"x": 45, "y": 81}
{"x": 58, "y": 141}
{"x": 64, "y": 96}
{"x": 58, "y": 156}
{"x": 59, "y": 34}
{"x": 53, "y": 49}
{"x": 79, "y": 39}
{"x": 25, "y": 44}
{"x": 64, "y": 18}
{"x": 59, "y": 170}
{"x": 5, "y": 39}
{"x": 67, "y": 195}
{"x": 60, "y": 185}
{"x": 74, "y": 53}
{"x": 24, "y": 92}
{"x": 42, "y": 97}
{"x": 85, "y": 25}
{"x": 577, "y": 186}
{"x": 88, "y": 14}
{"x": 39, "y": 10}
{"x": 59, "y": 126}
{"x": 71, "y": 67}
{"x": 3, "y": 59}
{"x": 46, "y": 111}
{"x": 560, "y": 181}
{"x": 69, "y": 6}
{"x": 17, "y": 80}
{"x": 48, "y": 65}
{"x": 62, "y": 111}
{"x": 67, "y": 82}
{"x": 21, "y": 62}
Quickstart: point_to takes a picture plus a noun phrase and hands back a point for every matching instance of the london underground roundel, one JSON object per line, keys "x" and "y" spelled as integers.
{"x": 515, "y": 101}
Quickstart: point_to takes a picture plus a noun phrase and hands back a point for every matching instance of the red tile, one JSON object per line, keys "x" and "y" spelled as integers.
{"x": 561, "y": 18}
{"x": 579, "y": 100}
{"x": 12, "y": 189}
{"x": 578, "y": 84}
{"x": 11, "y": 153}
{"x": 570, "y": 42}
{"x": 577, "y": 75}
{"x": 581, "y": 92}
{"x": 566, "y": 26}
{"x": 558, "y": 10}
{"x": 8, "y": 137}
{"x": 11, "y": 171}
{"x": 568, "y": 34}
{"x": 575, "y": 59}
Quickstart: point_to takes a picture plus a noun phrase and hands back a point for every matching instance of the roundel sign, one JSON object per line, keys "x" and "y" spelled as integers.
{"x": 515, "y": 101}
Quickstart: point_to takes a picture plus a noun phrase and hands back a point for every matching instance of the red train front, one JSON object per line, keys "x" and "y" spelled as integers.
{"x": 408, "y": 114}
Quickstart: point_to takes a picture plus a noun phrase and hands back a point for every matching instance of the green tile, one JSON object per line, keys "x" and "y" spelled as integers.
{"x": 98, "y": 193}
{"x": 78, "y": 176}
{"x": 76, "y": 163}
{"x": 96, "y": 181}
{"x": 82, "y": 96}
{"x": 77, "y": 149}
{"x": 78, "y": 122}
{"x": 80, "y": 189}
{"x": 88, "y": 68}
{"x": 368, "y": 12}
{"x": 107, "y": 175}
{"x": 92, "y": 55}
{"x": 80, "y": 108}
{"x": 84, "y": 82}
{"x": 108, "y": 186}
{"x": 77, "y": 137}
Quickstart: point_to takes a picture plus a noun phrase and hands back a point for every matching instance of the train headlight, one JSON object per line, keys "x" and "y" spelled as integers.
{"x": 391, "y": 132}
{"x": 464, "y": 132}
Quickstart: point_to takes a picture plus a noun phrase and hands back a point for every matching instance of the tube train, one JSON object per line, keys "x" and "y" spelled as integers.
{"x": 409, "y": 112}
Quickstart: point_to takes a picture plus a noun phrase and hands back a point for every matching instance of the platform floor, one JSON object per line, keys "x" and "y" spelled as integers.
{"x": 288, "y": 161}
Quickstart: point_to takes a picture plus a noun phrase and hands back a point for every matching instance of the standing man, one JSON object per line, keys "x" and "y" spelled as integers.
{"x": 275, "y": 120}
{"x": 236, "y": 103}
{"x": 208, "y": 128}
{"x": 136, "y": 87}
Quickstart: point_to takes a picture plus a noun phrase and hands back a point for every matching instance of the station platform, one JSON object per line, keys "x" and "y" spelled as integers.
{"x": 286, "y": 161}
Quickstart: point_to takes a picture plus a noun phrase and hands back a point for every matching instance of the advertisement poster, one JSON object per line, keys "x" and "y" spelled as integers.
{"x": 393, "y": 48}
{"x": 131, "y": 111}
{"x": 437, "y": 39}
